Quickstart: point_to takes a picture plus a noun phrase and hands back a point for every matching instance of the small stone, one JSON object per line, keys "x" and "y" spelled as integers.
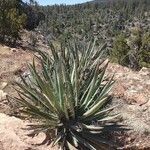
{"x": 137, "y": 145}
{"x": 14, "y": 50}
{"x": 119, "y": 90}
{"x": 3, "y": 85}
{"x": 144, "y": 71}
{"x": 141, "y": 99}
{"x": 138, "y": 98}
{"x": 129, "y": 139}
{"x": 2, "y": 95}
{"x": 145, "y": 108}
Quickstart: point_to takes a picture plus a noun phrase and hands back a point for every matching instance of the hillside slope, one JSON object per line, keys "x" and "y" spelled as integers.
{"x": 130, "y": 93}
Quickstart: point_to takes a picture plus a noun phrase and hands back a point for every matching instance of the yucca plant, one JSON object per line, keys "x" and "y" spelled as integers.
{"x": 69, "y": 96}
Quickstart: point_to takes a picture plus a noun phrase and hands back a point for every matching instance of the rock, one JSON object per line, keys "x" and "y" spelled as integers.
{"x": 131, "y": 86}
{"x": 118, "y": 90}
{"x": 1, "y": 146}
{"x": 138, "y": 98}
{"x": 14, "y": 50}
{"x": 145, "y": 71}
{"x": 13, "y": 135}
{"x": 9, "y": 138}
{"x": 2, "y": 95}
{"x": 104, "y": 63}
{"x": 18, "y": 71}
{"x": 3, "y": 85}
{"x": 26, "y": 75}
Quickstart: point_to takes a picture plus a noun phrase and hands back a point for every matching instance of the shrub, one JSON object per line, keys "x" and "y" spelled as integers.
{"x": 135, "y": 53}
{"x": 119, "y": 53}
{"x": 145, "y": 51}
{"x": 12, "y": 20}
{"x": 69, "y": 97}
{"x": 33, "y": 39}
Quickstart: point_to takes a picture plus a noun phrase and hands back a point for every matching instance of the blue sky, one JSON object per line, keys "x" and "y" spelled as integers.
{"x": 52, "y": 2}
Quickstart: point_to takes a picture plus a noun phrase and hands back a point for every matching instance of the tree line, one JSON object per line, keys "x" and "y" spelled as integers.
{"x": 122, "y": 24}
{"x": 107, "y": 21}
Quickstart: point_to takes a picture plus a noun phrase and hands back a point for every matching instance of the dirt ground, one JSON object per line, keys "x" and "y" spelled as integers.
{"x": 135, "y": 114}
{"x": 13, "y": 62}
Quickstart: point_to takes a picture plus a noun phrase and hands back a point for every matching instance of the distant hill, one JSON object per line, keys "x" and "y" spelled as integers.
{"x": 105, "y": 20}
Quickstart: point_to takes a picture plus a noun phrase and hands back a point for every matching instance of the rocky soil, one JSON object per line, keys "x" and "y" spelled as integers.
{"x": 131, "y": 93}
{"x": 13, "y": 135}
